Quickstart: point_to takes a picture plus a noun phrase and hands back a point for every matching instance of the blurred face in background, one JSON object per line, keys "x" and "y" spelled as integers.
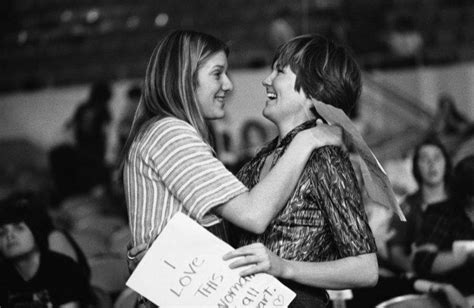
{"x": 212, "y": 86}
{"x": 432, "y": 165}
{"x": 16, "y": 240}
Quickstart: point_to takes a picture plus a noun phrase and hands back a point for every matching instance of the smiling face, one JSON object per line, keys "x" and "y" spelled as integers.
{"x": 16, "y": 240}
{"x": 432, "y": 165}
{"x": 212, "y": 86}
{"x": 285, "y": 106}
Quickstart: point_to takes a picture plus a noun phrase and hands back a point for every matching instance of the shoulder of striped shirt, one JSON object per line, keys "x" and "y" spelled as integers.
{"x": 166, "y": 129}
{"x": 174, "y": 123}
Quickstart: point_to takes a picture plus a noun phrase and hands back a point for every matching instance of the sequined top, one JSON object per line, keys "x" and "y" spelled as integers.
{"x": 324, "y": 218}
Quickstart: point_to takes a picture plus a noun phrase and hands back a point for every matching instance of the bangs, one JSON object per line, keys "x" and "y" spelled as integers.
{"x": 291, "y": 53}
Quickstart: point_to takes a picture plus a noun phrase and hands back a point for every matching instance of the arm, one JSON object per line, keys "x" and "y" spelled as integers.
{"x": 345, "y": 273}
{"x": 447, "y": 261}
{"x": 452, "y": 295}
{"x": 349, "y": 272}
{"x": 254, "y": 210}
{"x": 433, "y": 254}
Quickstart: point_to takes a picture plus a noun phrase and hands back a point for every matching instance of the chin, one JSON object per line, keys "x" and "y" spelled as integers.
{"x": 217, "y": 116}
{"x": 268, "y": 115}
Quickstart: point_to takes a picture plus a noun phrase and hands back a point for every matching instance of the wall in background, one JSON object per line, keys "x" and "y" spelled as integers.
{"x": 40, "y": 116}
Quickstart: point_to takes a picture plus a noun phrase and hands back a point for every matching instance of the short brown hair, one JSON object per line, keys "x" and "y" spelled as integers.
{"x": 324, "y": 71}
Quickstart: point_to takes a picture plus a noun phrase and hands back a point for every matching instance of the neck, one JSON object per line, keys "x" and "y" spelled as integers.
{"x": 27, "y": 265}
{"x": 433, "y": 194}
{"x": 285, "y": 127}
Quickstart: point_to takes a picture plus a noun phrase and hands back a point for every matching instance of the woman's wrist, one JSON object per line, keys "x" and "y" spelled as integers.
{"x": 287, "y": 269}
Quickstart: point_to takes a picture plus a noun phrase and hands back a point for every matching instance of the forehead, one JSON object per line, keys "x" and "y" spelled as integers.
{"x": 430, "y": 150}
{"x": 12, "y": 223}
{"x": 217, "y": 59}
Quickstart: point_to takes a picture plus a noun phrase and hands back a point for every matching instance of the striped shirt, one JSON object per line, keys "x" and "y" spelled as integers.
{"x": 170, "y": 169}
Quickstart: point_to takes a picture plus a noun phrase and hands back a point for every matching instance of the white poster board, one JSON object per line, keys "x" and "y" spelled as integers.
{"x": 184, "y": 268}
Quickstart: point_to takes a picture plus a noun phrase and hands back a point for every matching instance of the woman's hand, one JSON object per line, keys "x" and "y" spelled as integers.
{"x": 258, "y": 259}
{"x": 135, "y": 255}
{"x": 322, "y": 135}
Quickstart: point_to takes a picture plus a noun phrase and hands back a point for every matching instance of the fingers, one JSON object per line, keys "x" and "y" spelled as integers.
{"x": 254, "y": 257}
{"x": 262, "y": 267}
{"x": 135, "y": 251}
{"x": 246, "y": 260}
{"x": 243, "y": 251}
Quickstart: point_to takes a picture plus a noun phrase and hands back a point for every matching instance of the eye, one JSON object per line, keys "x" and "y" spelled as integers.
{"x": 217, "y": 74}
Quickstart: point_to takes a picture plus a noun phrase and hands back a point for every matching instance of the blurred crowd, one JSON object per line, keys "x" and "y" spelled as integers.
{"x": 77, "y": 208}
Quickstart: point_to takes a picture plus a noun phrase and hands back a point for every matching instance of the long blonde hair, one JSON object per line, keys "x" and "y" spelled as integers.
{"x": 171, "y": 81}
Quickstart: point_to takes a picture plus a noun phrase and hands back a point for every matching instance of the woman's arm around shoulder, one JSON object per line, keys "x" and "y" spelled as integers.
{"x": 255, "y": 209}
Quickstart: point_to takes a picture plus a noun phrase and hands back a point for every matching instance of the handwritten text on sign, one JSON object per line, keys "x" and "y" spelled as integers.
{"x": 184, "y": 267}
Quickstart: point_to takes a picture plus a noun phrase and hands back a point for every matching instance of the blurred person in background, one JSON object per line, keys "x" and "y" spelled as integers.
{"x": 31, "y": 274}
{"x": 448, "y": 120}
{"x": 280, "y": 29}
{"x": 253, "y": 136}
{"x": 59, "y": 239}
{"x": 437, "y": 255}
{"x": 404, "y": 41}
{"x": 453, "y": 128}
{"x": 134, "y": 93}
{"x": 321, "y": 238}
{"x": 80, "y": 166}
{"x": 431, "y": 168}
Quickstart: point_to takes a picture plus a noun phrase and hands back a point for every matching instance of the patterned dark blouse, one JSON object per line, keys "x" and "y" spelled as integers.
{"x": 324, "y": 218}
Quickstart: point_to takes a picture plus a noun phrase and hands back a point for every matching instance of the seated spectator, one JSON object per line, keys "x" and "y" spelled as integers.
{"x": 31, "y": 274}
{"x": 445, "y": 223}
{"x": 59, "y": 239}
{"x": 431, "y": 169}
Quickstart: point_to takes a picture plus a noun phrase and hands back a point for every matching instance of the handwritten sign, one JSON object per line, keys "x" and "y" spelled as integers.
{"x": 184, "y": 267}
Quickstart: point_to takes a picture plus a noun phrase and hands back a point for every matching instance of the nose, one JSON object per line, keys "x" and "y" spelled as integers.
{"x": 267, "y": 82}
{"x": 227, "y": 84}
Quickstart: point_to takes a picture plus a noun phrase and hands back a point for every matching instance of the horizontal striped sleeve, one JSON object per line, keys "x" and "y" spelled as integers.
{"x": 187, "y": 167}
